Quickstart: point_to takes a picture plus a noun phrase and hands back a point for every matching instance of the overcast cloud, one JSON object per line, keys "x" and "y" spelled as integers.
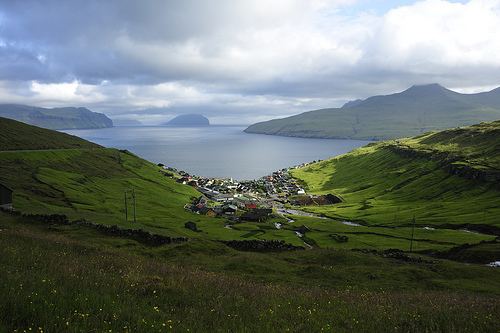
{"x": 239, "y": 61}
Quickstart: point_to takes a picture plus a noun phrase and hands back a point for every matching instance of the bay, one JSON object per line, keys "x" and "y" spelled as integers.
{"x": 217, "y": 151}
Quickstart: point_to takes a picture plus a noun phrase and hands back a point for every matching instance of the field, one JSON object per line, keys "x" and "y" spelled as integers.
{"x": 78, "y": 278}
{"x": 90, "y": 183}
{"x": 383, "y": 187}
{"x": 203, "y": 286}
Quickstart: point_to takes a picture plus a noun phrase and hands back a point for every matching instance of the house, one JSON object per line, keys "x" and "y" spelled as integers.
{"x": 229, "y": 209}
{"x": 207, "y": 211}
{"x": 224, "y": 197}
{"x": 211, "y": 213}
{"x": 251, "y": 205}
{"x": 257, "y": 215}
{"x": 184, "y": 180}
{"x": 5, "y": 197}
{"x": 193, "y": 183}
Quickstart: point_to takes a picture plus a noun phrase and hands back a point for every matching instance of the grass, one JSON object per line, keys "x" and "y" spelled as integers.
{"x": 15, "y": 135}
{"x": 383, "y": 238}
{"x": 72, "y": 278}
{"x": 200, "y": 286}
{"x": 381, "y": 187}
{"x": 90, "y": 183}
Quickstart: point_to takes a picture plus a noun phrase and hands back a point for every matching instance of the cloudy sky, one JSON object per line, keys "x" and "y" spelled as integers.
{"x": 239, "y": 61}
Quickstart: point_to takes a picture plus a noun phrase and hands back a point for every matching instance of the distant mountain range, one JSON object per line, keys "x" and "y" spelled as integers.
{"x": 414, "y": 111}
{"x": 189, "y": 120}
{"x": 55, "y": 118}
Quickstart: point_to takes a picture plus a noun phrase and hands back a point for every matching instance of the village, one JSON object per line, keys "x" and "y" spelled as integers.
{"x": 250, "y": 200}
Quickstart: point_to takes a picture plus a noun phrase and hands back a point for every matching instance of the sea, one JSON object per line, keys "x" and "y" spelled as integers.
{"x": 217, "y": 151}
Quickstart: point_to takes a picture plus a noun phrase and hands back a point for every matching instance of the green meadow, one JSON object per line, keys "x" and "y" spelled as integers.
{"x": 380, "y": 186}
{"x": 75, "y": 278}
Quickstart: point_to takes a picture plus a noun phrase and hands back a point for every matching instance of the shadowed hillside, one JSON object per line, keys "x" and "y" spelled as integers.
{"x": 55, "y": 118}
{"x": 412, "y": 112}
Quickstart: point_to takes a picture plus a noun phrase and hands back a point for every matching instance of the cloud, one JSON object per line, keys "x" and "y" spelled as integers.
{"x": 436, "y": 36}
{"x": 239, "y": 60}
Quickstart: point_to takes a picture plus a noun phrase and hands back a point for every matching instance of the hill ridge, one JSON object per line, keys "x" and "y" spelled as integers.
{"x": 56, "y": 118}
{"x": 416, "y": 110}
{"x": 16, "y": 135}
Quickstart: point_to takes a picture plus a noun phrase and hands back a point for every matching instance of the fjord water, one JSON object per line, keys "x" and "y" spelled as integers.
{"x": 217, "y": 151}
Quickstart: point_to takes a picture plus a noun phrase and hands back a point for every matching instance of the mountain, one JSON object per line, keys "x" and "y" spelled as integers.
{"x": 55, "y": 118}
{"x": 449, "y": 178}
{"x": 414, "y": 111}
{"x": 189, "y": 120}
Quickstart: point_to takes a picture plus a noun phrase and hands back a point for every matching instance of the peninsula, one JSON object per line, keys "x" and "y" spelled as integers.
{"x": 56, "y": 118}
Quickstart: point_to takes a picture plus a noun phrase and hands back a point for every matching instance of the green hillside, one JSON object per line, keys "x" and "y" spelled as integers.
{"x": 15, "y": 135}
{"x": 55, "y": 118}
{"x": 446, "y": 178}
{"x": 90, "y": 183}
{"x": 52, "y": 172}
{"x": 412, "y": 112}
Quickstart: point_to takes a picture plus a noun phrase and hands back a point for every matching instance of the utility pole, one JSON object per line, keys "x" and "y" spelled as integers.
{"x": 126, "y": 208}
{"x": 133, "y": 203}
{"x": 133, "y": 197}
{"x": 412, "y": 234}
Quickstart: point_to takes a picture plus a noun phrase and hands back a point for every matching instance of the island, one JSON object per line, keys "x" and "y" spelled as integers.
{"x": 189, "y": 120}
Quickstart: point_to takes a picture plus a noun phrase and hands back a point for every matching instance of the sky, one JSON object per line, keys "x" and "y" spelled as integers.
{"x": 239, "y": 61}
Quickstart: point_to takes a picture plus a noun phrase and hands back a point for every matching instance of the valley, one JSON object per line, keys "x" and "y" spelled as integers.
{"x": 302, "y": 242}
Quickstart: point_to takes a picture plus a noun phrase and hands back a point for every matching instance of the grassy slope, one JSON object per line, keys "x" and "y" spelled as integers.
{"x": 381, "y": 187}
{"x": 412, "y": 112}
{"x": 316, "y": 290}
{"x": 15, "y": 135}
{"x": 52, "y": 172}
{"x": 90, "y": 184}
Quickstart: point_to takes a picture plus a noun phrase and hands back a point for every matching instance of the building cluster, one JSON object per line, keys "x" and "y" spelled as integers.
{"x": 281, "y": 184}
{"x": 251, "y": 200}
